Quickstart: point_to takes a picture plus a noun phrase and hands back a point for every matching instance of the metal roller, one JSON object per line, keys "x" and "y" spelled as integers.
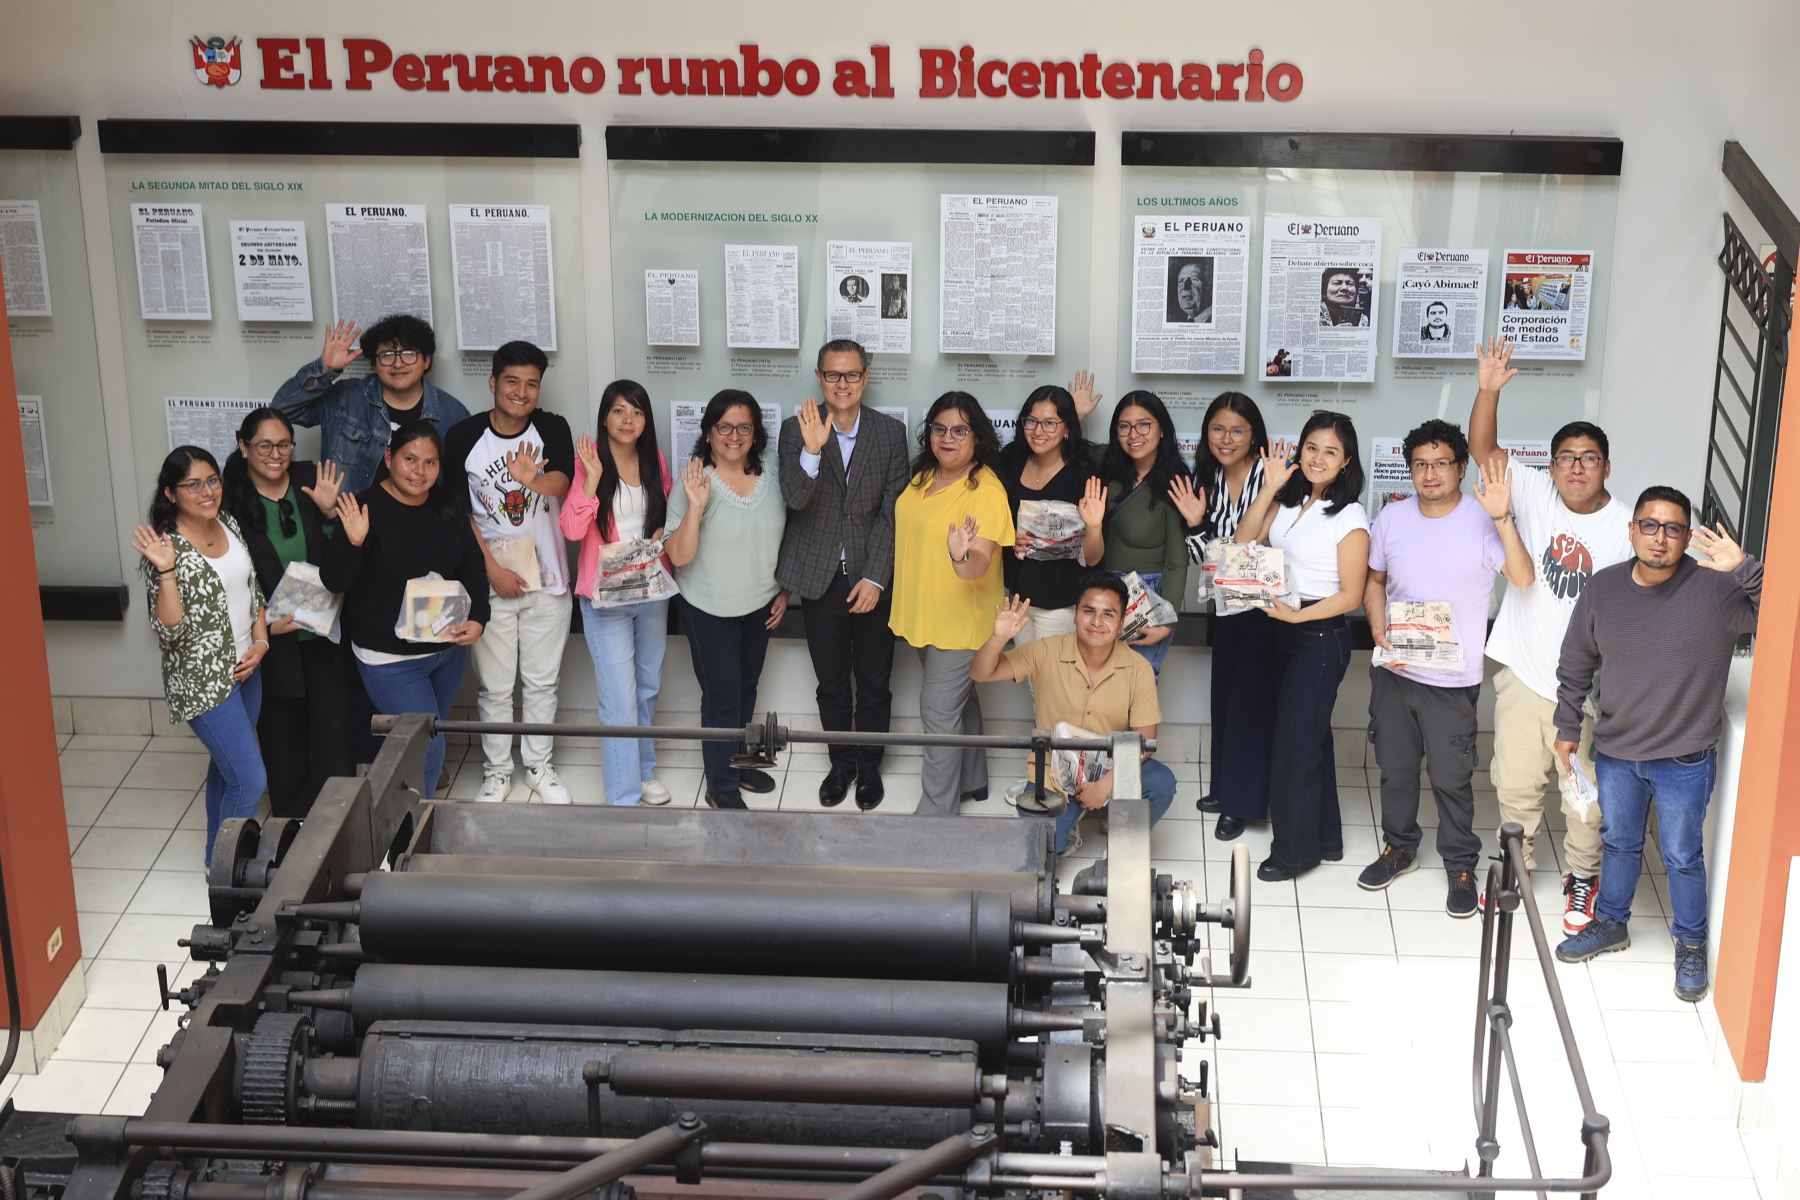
{"x": 754, "y": 927}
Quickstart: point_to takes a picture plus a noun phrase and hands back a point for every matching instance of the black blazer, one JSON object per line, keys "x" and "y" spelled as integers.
{"x": 827, "y": 514}
{"x": 281, "y": 670}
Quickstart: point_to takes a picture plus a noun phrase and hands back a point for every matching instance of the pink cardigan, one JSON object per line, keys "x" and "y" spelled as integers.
{"x": 579, "y": 521}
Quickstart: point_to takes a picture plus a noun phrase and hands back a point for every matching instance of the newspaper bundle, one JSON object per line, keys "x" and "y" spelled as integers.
{"x": 1049, "y": 529}
{"x": 1421, "y": 634}
{"x": 302, "y": 596}
{"x": 431, "y": 608}
{"x": 631, "y": 572}
{"x": 1247, "y": 575}
{"x": 1069, "y": 769}
{"x": 1144, "y": 609}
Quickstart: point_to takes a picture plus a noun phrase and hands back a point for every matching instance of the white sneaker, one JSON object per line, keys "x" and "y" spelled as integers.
{"x": 544, "y": 782}
{"x": 654, "y": 793}
{"x": 494, "y": 786}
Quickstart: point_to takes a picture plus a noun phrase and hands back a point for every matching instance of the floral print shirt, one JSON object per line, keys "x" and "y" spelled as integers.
{"x": 198, "y": 652}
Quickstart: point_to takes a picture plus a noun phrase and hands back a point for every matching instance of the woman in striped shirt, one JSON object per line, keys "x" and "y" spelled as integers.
{"x": 1228, "y": 470}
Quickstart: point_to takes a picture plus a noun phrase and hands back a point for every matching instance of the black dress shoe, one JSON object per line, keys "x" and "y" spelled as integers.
{"x": 1206, "y": 803}
{"x": 752, "y": 780}
{"x": 1274, "y": 872}
{"x": 836, "y": 785}
{"x": 980, "y": 793}
{"x": 869, "y": 791}
{"x": 727, "y": 799}
{"x": 1228, "y": 828}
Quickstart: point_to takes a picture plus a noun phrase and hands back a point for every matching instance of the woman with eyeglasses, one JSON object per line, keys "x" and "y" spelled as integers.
{"x": 950, "y": 525}
{"x": 1050, "y": 460}
{"x": 207, "y": 610}
{"x": 287, "y": 510}
{"x": 404, "y": 528}
{"x": 1145, "y": 531}
{"x": 1228, "y": 477}
{"x": 724, "y": 536}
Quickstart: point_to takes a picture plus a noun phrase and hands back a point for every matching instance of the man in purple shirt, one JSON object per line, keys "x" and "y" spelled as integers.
{"x": 1436, "y": 545}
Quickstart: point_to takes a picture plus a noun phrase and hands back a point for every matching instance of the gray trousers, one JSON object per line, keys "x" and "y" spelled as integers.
{"x": 1409, "y": 720}
{"x": 948, "y": 703}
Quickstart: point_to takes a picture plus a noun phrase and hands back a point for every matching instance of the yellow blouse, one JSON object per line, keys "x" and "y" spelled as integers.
{"x": 932, "y": 605}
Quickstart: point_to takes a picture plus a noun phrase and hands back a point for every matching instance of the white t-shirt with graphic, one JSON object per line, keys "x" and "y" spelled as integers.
{"x": 1566, "y": 549}
{"x": 501, "y": 506}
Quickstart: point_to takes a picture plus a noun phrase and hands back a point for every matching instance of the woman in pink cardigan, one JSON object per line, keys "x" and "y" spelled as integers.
{"x": 620, "y": 493}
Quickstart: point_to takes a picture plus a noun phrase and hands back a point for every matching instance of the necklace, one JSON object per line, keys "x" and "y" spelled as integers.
{"x": 210, "y": 541}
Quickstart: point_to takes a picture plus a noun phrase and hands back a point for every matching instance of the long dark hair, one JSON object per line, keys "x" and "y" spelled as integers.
{"x": 987, "y": 442}
{"x": 1205, "y": 465}
{"x": 242, "y": 500}
{"x": 1348, "y": 486}
{"x": 1075, "y": 447}
{"x": 175, "y": 468}
{"x": 649, "y": 459}
{"x": 716, "y": 408}
{"x": 1117, "y": 465}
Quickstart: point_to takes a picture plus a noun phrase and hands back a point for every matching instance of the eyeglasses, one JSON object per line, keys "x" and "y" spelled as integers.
{"x": 1224, "y": 434}
{"x": 1440, "y": 465}
{"x": 289, "y": 527}
{"x": 842, "y": 376}
{"x": 273, "y": 449}
{"x": 1588, "y": 461}
{"x": 1650, "y": 528}
{"x": 194, "y": 487}
{"x": 1141, "y": 428}
{"x": 948, "y": 433}
{"x": 734, "y": 431}
{"x": 1047, "y": 424}
{"x": 388, "y": 358}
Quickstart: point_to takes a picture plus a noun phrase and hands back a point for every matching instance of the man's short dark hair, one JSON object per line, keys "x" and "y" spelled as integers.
{"x": 1441, "y": 432}
{"x": 402, "y": 331}
{"x": 520, "y": 354}
{"x": 1105, "y": 581}
{"x": 1582, "y": 429}
{"x": 1668, "y": 495}
{"x": 842, "y": 346}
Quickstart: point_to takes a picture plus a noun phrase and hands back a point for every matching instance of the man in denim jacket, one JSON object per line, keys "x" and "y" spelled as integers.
{"x": 357, "y": 415}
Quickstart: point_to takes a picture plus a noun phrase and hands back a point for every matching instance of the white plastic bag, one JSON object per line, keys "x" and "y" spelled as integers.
{"x": 1049, "y": 529}
{"x": 519, "y": 555}
{"x": 1577, "y": 792}
{"x": 1069, "y": 769}
{"x": 1422, "y": 634}
{"x": 431, "y": 608}
{"x": 302, "y": 596}
{"x": 1143, "y": 609}
{"x": 631, "y": 572}
{"x": 1246, "y": 575}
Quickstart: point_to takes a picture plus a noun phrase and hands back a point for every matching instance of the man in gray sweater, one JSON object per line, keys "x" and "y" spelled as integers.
{"x": 1652, "y": 638}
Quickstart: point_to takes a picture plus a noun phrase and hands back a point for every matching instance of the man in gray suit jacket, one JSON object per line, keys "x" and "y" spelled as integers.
{"x": 841, "y": 471}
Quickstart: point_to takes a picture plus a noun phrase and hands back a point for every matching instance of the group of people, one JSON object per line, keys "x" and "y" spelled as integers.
{"x": 885, "y": 540}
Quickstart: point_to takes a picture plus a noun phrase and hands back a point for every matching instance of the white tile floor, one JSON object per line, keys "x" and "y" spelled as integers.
{"x": 1351, "y": 1046}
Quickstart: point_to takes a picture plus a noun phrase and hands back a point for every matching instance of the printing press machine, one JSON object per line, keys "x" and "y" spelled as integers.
{"x": 410, "y": 999}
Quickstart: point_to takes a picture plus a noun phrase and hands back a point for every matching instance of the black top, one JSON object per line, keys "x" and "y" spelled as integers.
{"x": 281, "y": 670}
{"x": 1046, "y": 583}
{"x": 404, "y": 542}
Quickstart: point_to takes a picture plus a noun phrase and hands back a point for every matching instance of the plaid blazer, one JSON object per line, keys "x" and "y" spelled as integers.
{"x": 832, "y": 513}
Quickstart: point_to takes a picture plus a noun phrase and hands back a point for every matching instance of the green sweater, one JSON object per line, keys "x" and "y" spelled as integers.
{"x": 1143, "y": 536}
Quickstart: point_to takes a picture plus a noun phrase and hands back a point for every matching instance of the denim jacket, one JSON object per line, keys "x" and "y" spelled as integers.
{"x": 352, "y": 417}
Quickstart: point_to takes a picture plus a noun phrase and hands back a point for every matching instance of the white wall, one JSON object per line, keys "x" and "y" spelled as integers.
{"x": 1674, "y": 80}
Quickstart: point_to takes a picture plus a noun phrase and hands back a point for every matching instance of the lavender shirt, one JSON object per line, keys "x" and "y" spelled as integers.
{"x": 1453, "y": 557}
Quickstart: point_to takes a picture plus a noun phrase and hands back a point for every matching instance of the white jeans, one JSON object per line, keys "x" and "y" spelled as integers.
{"x": 523, "y": 640}
{"x": 1046, "y": 622}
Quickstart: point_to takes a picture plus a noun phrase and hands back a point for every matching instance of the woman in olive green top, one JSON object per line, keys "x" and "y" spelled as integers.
{"x": 207, "y": 611}
{"x": 1144, "y": 530}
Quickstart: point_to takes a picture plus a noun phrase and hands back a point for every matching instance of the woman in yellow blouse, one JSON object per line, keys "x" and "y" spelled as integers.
{"x": 949, "y": 526}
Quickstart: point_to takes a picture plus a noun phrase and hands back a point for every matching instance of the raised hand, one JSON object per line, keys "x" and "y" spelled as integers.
{"x": 962, "y": 537}
{"x": 353, "y": 519}
{"x": 1493, "y": 485}
{"x": 814, "y": 429}
{"x": 156, "y": 547}
{"x": 524, "y": 465}
{"x": 1277, "y": 470}
{"x": 1492, "y": 371}
{"x": 589, "y": 455}
{"x": 1092, "y": 505}
{"x": 1086, "y": 398}
{"x": 1719, "y": 552}
{"x": 1010, "y": 618}
{"x": 324, "y": 493}
{"x": 1189, "y": 500}
{"x": 698, "y": 486}
{"x": 341, "y": 348}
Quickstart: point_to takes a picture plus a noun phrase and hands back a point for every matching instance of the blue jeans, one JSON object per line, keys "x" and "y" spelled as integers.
{"x": 1159, "y": 789}
{"x": 236, "y": 778}
{"x": 426, "y": 684}
{"x": 1680, "y": 789}
{"x": 1153, "y": 654}
{"x": 627, "y": 646}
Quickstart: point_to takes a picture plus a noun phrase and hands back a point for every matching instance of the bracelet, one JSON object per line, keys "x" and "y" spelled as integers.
{"x": 170, "y": 571}
{"x": 263, "y": 642}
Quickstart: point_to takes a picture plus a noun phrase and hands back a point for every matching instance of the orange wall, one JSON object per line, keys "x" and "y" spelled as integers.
{"x": 34, "y": 835}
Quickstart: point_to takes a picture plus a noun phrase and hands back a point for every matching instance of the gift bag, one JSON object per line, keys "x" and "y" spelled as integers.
{"x": 302, "y": 596}
{"x": 431, "y": 608}
{"x": 1143, "y": 609}
{"x": 1048, "y": 529}
{"x": 632, "y": 572}
{"x": 519, "y": 555}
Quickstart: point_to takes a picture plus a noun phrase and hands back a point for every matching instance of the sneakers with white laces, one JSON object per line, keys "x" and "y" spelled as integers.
{"x": 544, "y": 781}
{"x": 494, "y": 786}
{"x": 1582, "y": 891}
{"x": 654, "y": 793}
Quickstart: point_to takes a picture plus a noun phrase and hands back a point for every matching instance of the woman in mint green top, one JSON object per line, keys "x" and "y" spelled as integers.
{"x": 725, "y": 565}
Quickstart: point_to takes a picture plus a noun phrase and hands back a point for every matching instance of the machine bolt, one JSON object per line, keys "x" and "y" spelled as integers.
{"x": 687, "y": 1120}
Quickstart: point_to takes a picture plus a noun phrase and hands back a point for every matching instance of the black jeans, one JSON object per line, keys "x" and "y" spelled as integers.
{"x": 728, "y": 657}
{"x": 1244, "y": 649}
{"x": 853, "y": 659}
{"x": 308, "y": 739}
{"x": 1407, "y": 720}
{"x": 1310, "y": 661}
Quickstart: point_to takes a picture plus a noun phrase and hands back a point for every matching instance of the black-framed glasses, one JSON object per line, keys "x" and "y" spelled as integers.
{"x": 949, "y": 433}
{"x": 1650, "y": 527}
{"x": 388, "y": 358}
{"x": 741, "y": 431}
{"x": 267, "y": 448}
{"x": 1590, "y": 460}
{"x": 194, "y": 487}
{"x": 1141, "y": 428}
{"x": 1047, "y": 424}
{"x": 843, "y": 376}
{"x": 289, "y": 526}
